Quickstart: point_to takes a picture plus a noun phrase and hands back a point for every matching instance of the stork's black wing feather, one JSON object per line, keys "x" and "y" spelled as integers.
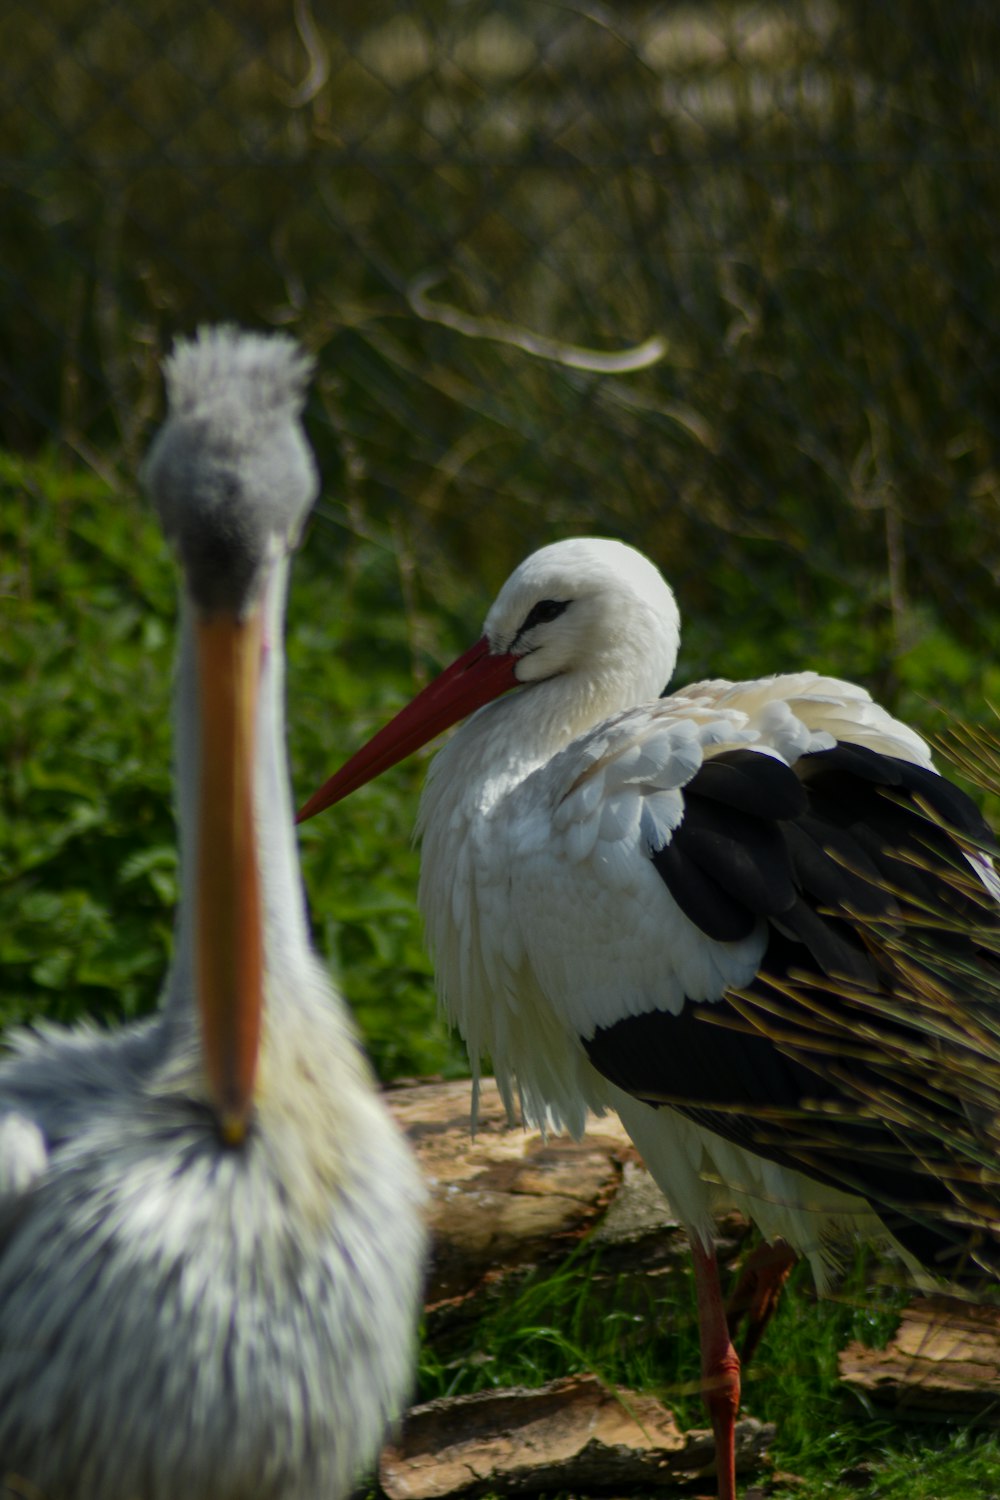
{"x": 843, "y": 858}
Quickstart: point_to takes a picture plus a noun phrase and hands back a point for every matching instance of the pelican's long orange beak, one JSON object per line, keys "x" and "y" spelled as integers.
{"x": 475, "y": 678}
{"x": 229, "y": 958}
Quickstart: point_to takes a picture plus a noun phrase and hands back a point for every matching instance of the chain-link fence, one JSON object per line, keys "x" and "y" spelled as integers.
{"x": 720, "y": 277}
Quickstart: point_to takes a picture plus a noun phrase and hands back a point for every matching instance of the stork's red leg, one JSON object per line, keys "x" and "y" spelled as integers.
{"x": 757, "y": 1293}
{"x": 720, "y": 1367}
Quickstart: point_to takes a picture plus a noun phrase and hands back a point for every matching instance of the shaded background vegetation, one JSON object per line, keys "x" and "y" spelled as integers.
{"x": 460, "y": 206}
{"x": 799, "y": 201}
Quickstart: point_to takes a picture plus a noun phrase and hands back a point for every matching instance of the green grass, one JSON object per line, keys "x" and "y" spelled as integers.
{"x": 557, "y": 1324}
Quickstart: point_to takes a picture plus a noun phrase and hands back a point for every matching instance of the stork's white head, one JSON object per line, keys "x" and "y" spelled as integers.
{"x": 593, "y": 608}
{"x": 585, "y": 627}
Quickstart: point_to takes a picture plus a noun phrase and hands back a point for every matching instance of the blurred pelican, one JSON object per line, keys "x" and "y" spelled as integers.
{"x": 210, "y": 1228}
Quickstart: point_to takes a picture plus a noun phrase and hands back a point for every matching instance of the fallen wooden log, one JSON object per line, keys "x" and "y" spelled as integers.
{"x": 574, "y": 1435}
{"x": 506, "y": 1197}
{"x": 509, "y": 1201}
{"x": 943, "y": 1360}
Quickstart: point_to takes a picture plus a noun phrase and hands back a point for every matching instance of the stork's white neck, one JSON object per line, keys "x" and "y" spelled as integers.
{"x": 285, "y": 926}
{"x": 503, "y": 743}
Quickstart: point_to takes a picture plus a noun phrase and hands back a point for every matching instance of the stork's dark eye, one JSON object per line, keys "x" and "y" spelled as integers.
{"x": 544, "y": 611}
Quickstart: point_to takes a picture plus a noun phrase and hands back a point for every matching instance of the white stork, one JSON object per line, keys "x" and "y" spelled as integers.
{"x": 210, "y": 1227}
{"x": 606, "y": 871}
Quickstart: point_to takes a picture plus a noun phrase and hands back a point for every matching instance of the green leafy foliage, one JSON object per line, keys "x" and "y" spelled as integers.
{"x": 88, "y": 867}
{"x": 88, "y": 863}
{"x": 353, "y": 652}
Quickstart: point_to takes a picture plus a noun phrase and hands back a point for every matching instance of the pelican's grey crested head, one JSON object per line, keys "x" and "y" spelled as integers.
{"x": 231, "y": 472}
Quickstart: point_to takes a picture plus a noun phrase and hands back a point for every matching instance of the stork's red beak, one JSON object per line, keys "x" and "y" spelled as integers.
{"x": 229, "y": 959}
{"x": 475, "y": 678}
